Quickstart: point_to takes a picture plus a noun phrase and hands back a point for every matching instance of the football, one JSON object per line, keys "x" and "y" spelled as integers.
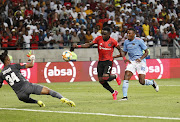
{"x": 67, "y": 55}
{"x": 32, "y": 57}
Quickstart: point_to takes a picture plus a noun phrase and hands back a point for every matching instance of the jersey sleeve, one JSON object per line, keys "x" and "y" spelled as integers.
{"x": 115, "y": 43}
{"x": 125, "y": 47}
{"x": 95, "y": 41}
{"x": 142, "y": 45}
{"x": 20, "y": 66}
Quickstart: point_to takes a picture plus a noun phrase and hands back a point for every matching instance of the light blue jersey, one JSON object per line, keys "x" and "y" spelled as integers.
{"x": 134, "y": 48}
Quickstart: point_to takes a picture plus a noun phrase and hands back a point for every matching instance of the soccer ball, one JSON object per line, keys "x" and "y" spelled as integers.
{"x": 67, "y": 55}
{"x": 32, "y": 57}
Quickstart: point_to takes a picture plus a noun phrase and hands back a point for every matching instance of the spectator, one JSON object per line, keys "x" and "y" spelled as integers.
{"x": 165, "y": 37}
{"x": 35, "y": 39}
{"x": 41, "y": 43}
{"x": 49, "y": 41}
{"x": 150, "y": 40}
{"x": 13, "y": 40}
{"x": 88, "y": 11}
{"x": 172, "y": 35}
{"x": 67, "y": 37}
{"x": 58, "y": 40}
{"x": 146, "y": 28}
{"x": 88, "y": 36}
{"x": 74, "y": 13}
{"x": 82, "y": 37}
{"x": 78, "y": 7}
{"x": 28, "y": 12}
{"x": 26, "y": 39}
{"x": 4, "y": 41}
{"x": 75, "y": 38}
{"x": 20, "y": 41}
{"x": 115, "y": 34}
{"x": 138, "y": 27}
{"x": 95, "y": 33}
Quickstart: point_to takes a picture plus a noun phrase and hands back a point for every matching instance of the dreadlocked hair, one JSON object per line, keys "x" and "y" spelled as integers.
{"x": 3, "y": 56}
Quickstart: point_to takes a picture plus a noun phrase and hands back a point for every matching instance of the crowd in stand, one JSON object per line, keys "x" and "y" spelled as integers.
{"x": 55, "y": 24}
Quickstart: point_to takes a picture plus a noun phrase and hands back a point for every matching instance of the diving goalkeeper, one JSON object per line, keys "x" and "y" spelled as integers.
{"x": 21, "y": 86}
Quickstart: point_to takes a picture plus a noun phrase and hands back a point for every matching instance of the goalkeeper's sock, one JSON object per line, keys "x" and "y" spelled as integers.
{"x": 107, "y": 86}
{"x": 55, "y": 94}
{"x": 125, "y": 87}
{"x": 148, "y": 82}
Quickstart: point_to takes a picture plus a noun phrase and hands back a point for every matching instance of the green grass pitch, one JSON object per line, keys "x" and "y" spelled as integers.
{"x": 91, "y": 97}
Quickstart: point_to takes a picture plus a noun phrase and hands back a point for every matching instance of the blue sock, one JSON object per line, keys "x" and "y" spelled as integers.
{"x": 148, "y": 82}
{"x": 125, "y": 87}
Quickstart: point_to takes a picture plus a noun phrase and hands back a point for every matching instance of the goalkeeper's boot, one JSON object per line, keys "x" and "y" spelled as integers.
{"x": 118, "y": 79}
{"x": 115, "y": 95}
{"x": 40, "y": 103}
{"x": 67, "y": 101}
{"x": 155, "y": 85}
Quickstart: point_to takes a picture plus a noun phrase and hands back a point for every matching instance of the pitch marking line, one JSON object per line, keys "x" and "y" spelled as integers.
{"x": 101, "y": 114}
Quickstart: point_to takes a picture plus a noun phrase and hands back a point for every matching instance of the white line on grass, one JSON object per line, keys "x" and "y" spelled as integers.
{"x": 101, "y": 114}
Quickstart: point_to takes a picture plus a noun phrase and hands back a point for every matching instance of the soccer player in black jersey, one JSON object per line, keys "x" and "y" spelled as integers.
{"x": 21, "y": 86}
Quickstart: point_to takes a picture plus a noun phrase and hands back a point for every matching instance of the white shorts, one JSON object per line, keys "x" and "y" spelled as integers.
{"x": 134, "y": 66}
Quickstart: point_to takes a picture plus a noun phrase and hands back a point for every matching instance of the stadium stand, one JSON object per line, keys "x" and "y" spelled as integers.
{"x": 57, "y": 24}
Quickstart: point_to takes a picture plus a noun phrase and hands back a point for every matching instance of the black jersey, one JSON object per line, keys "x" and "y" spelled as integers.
{"x": 13, "y": 76}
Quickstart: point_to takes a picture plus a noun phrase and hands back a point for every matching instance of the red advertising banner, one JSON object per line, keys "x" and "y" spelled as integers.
{"x": 87, "y": 70}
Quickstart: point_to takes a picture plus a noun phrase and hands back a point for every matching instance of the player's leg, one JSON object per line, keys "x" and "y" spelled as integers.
{"x": 107, "y": 77}
{"x": 141, "y": 69}
{"x": 103, "y": 74}
{"x": 42, "y": 90}
{"x": 130, "y": 69}
{"x": 115, "y": 76}
{"x": 22, "y": 96}
{"x": 103, "y": 77}
{"x": 112, "y": 77}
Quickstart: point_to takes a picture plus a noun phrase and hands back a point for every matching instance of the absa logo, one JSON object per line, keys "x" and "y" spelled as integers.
{"x": 53, "y": 72}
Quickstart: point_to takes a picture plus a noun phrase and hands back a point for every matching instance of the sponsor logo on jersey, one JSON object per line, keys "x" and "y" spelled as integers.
{"x": 103, "y": 48}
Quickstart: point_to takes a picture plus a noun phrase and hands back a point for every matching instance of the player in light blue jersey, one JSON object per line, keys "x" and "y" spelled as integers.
{"x": 134, "y": 47}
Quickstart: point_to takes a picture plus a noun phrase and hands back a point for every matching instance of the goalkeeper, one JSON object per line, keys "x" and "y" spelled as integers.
{"x": 21, "y": 86}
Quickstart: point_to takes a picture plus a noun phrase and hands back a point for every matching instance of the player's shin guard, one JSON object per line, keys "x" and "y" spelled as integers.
{"x": 107, "y": 86}
{"x": 148, "y": 82}
{"x": 55, "y": 94}
{"x": 125, "y": 87}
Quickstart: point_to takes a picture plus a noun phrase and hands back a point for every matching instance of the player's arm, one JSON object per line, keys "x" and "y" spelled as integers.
{"x": 86, "y": 45}
{"x": 121, "y": 54}
{"x": 143, "y": 56}
{"x": 31, "y": 59}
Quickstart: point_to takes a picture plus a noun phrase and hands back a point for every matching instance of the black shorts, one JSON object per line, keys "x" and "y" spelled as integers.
{"x": 104, "y": 67}
{"x": 28, "y": 89}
